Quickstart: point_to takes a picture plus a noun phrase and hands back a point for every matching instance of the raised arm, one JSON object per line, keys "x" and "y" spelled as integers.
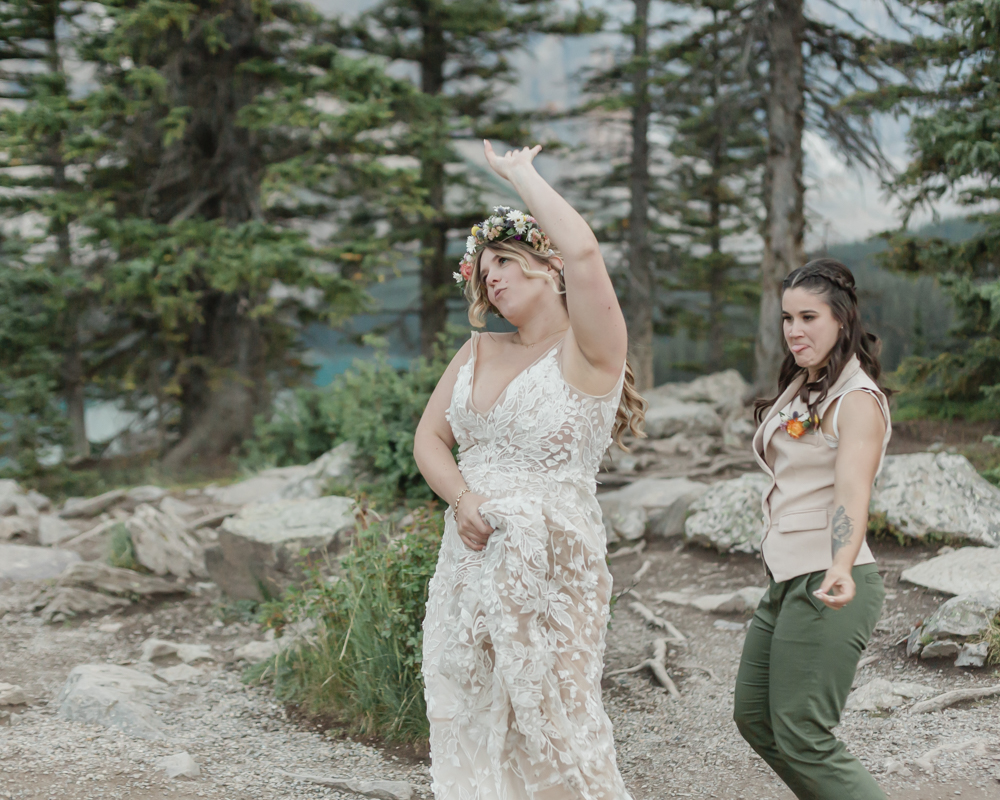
{"x": 862, "y": 428}
{"x": 594, "y": 314}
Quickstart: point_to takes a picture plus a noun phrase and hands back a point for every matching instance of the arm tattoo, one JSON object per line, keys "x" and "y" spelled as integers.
{"x": 843, "y": 530}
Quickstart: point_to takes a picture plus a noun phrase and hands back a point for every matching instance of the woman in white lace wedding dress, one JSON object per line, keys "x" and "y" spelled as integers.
{"x": 518, "y": 606}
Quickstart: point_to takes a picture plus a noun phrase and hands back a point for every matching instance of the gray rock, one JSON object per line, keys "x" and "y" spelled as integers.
{"x": 963, "y": 571}
{"x": 913, "y": 643}
{"x": 728, "y": 516}
{"x": 104, "y": 578}
{"x": 39, "y": 501}
{"x": 738, "y": 602}
{"x": 654, "y": 506}
{"x": 143, "y": 494}
{"x": 171, "y": 505}
{"x": 256, "y": 652}
{"x": 91, "y": 506}
{"x": 667, "y": 415}
{"x": 963, "y": 616}
{"x": 333, "y": 468}
{"x": 153, "y": 649}
{"x": 723, "y": 390}
{"x": 18, "y": 527}
{"x": 14, "y": 501}
{"x": 112, "y": 696}
{"x": 262, "y": 548}
{"x": 54, "y": 530}
{"x": 180, "y": 765}
{"x": 70, "y": 601}
{"x": 164, "y": 545}
{"x": 943, "y": 648}
{"x": 973, "y": 655}
{"x": 23, "y": 563}
{"x": 11, "y": 695}
{"x": 263, "y": 485}
{"x": 179, "y": 673}
{"x": 882, "y": 694}
{"x": 924, "y": 493}
{"x": 378, "y": 790}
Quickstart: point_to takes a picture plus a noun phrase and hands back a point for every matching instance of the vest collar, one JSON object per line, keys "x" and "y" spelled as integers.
{"x": 763, "y": 435}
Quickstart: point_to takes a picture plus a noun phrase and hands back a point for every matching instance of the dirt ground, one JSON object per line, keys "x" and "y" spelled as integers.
{"x": 243, "y": 739}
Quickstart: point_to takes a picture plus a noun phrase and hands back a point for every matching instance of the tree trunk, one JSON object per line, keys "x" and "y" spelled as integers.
{"x": 72, "y": 375}
{"x": 214, "y": 172}
{"x": 717, "y": 269}
{"x": 640, "y": 296}
{"x": 435, "y": 275}
{"x": 784, "y": 191}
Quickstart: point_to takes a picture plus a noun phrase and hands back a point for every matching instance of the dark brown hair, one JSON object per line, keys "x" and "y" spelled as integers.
{"x": 834, "y": 284}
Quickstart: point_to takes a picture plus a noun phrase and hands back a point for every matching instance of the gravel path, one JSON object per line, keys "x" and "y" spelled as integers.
{"x": 242, "y": 739}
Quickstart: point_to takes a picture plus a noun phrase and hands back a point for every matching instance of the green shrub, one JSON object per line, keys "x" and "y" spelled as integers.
{"x": 121, "y": 553}
{"x": 361, "y": 665}
{"x": 373, "y": 404}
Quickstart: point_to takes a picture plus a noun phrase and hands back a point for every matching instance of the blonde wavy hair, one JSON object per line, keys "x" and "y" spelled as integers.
{"x": 632, "y": 409}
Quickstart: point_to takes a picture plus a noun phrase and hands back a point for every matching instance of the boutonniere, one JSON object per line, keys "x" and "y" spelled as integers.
{"x": 796, "y": 426}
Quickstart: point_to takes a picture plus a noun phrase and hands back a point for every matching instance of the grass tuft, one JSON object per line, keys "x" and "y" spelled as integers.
{"x": 360, "y": 667}
{"x": 121, "y": 553}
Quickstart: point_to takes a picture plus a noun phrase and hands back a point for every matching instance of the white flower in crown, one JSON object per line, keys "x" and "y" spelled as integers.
{"x": 470, "y": 244}
{"x": 518, "y": 220}
{"x": 458, "y": 277}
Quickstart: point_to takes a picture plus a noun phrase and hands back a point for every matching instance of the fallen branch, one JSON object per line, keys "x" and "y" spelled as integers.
{"x": 378, "y": 790}
{"x": 659, "y": 622}
{"x": 628, "y": 551}
{"x": 641, "y": 571}
{"x": 91, "y": 533}
{"x": 657, "y": 665}
{"x": 942, "y": 701}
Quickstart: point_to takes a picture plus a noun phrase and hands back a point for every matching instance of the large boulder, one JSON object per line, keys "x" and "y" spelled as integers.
{"x": 964, "y": 571}
{"x": 654, "y": 506}
{"x": 926, "y": 493}
{"x": 265, "y": 485}
{"x": 722, "y": 390}
{"x": 23, "y": 563}
{"x": 335, "y": 468}
{"x": 164, "y": 545}
{"x": 728, "y": 516}
{"x": 262, "y": 549}
{"x": 666, "y": 415}
{"x": 115, "y": 697}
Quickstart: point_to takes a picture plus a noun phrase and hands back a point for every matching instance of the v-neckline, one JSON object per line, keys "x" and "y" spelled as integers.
{"x": 503, "y": 392}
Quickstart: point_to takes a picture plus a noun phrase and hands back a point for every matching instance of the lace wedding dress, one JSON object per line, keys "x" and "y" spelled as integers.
{"x": 514, "y": 634}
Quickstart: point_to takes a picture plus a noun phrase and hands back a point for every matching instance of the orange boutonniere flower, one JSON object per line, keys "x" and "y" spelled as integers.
{"x": 796, "y": 426}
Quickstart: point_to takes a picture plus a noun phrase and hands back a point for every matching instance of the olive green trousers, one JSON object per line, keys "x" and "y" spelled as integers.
{"x": 798, "y": 664}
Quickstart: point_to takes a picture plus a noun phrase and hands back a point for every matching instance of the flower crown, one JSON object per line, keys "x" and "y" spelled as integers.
{"x": 504, "y": 223}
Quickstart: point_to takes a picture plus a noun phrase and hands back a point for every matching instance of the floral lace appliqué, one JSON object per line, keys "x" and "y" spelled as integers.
{"x": 514, "y": 634}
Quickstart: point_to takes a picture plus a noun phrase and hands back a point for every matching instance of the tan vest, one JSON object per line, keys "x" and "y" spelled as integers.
{"x": 798, "y": 507}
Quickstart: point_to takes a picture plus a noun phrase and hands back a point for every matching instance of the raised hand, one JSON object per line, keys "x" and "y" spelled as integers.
{"x": 505, "y": 165}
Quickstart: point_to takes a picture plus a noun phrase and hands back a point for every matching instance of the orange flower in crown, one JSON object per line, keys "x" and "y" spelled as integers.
{"x": 504, "y": 223}
{"x": 796, "y": 426}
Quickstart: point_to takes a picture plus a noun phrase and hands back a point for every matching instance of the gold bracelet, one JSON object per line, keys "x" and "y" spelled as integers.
{"x": 459, "y": 499}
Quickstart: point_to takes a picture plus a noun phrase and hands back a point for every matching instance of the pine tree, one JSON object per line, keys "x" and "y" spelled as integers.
{"x": 808, "y": 93}
{"x": 46, "y": 300}
{"x": 713, "y": 101}
{"x": 460, "y": 50}
{"x": 955, "y": 107}
{"x": 223, "y": 130}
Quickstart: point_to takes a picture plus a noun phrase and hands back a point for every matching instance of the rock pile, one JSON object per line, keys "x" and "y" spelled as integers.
{"x": 955, "y": 630}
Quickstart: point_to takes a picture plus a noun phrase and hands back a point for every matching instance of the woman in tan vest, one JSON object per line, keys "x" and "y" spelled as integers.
{"x": 822, "y": 441}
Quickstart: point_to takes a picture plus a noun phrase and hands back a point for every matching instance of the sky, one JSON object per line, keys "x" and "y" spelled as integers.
{"x": 843, "y": 203}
